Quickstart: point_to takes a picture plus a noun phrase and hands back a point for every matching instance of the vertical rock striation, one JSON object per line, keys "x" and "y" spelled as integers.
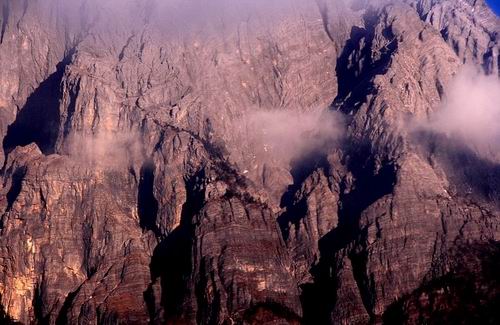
{"x": 135, "y": 188}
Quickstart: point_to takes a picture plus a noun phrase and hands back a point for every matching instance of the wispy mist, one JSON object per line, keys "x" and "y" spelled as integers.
{"x": 290, "y": 135}
{"x": 174, "y": 17}
{"x": 470, "y": 112}
{"x": 108, "y": 150}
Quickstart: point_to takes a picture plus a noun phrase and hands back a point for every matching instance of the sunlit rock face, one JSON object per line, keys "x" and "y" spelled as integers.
{"x": 249, "y": 162}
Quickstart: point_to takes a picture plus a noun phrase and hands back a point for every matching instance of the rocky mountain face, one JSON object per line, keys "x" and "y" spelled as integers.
{"x": 161, "y": 163}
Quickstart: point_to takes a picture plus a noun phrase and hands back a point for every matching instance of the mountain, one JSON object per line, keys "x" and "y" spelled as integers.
{"x": 249, "y": 162}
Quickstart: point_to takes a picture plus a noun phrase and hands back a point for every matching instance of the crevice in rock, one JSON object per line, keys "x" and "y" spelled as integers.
{"x": 147, "y": 205}
{"x": 207, "y": 312}
{"x": 318, "y": 298}
{"x": 371, "y": 183}
{"x": 41, "y": 316}
{"x": 364, "y": 281}
{"x": 16, "y": 187}
{"x": 357, "y": 67}
{"x": 295, "y": 207}
{"x": 73, "y": 94}
{"x": 124, "y": 48}
{"x": 5, "y": 19}
{"x": 39, "y": 119}
{"x": 489, "y": 62}
{"x": 90, "y": 261}
{"x": 62, "y": 317}
{"x": 294, "y": 212}
{"x": 172, "y": 258}
{"x": 151, "y": 303}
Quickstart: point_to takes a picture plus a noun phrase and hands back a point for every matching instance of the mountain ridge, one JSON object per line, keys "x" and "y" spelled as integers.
{"x": 140, "y": 184}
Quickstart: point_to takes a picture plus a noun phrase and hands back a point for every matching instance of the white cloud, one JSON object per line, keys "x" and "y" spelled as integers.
{"x": 470, "y": 112}
{"x": 288, "y": 134}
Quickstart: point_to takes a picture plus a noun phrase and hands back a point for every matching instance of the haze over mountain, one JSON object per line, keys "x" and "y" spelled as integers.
{"x": 249, "y": 162}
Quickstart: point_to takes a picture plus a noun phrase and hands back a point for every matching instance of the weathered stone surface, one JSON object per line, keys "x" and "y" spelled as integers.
{"x": 134, "y": 190}
{"x": 474, "y": 43}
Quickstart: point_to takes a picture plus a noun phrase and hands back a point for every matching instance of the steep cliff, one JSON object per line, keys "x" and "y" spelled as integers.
{"x": 249, "y": 162}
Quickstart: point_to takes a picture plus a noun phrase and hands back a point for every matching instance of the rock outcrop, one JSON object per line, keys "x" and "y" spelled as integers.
{"x": 136, "y": 187}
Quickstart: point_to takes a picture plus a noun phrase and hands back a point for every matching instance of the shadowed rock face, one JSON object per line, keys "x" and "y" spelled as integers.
{"x": 136, "y": 186}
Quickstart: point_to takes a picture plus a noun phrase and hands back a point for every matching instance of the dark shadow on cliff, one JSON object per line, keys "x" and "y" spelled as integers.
{"x": 355, "y": 83}
{"x": 172, "y": 259}
{"x": 62, "y": 317}
{"x": 16, "y": 187}
{"x": 296, "y": 207}
{"x": 42, "y": 315}
{"x": 470, "y": 175}
{"x": 357, "y": 67}
{"x": 14, "y": 190}
{"x": 39, "y": 119}
{"x": 467, "y": 293}
{"x": 349, "y": 239}
{"x": 147, "y": 205}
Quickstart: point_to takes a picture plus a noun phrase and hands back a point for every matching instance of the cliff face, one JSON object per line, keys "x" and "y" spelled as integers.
{"x": 252, "y": 162}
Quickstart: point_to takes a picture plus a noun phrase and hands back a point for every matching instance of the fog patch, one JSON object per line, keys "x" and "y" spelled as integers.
{"x": 469, "y": 113}
{"x": 181, "y": 18}
{"x": 106, "y": 150}
{"x": 293, "y": 135}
